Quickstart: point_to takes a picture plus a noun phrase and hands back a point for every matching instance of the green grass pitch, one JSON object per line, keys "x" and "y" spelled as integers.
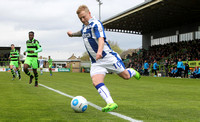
{"x": 149, "y": 99}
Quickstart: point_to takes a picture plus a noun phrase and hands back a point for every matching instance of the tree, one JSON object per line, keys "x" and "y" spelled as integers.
{"x": 85, "y": 57}
{"x": 113, "y": 45}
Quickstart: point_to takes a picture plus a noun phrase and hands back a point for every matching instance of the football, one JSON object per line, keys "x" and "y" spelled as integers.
{"x": 79, "y": 104}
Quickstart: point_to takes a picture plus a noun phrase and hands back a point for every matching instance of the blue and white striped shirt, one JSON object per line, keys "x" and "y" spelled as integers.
{"x": 41, "y": 61}
{"x": 91, "y": 33}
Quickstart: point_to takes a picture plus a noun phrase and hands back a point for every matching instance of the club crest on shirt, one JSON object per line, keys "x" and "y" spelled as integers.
{"x": 88, "y": 27}
{"x": 86, "y": 35}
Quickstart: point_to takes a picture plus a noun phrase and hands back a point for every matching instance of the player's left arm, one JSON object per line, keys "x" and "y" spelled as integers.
{"x": 99, "y": 33}
{"x": 39, "y": 48}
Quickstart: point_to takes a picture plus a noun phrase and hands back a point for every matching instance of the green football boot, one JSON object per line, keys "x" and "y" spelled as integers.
{"x": 137, "y": 76}
{"x": 110, "y": 107}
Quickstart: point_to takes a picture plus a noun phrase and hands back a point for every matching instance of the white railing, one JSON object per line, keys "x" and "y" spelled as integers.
{"x": 186, "y": 36}
{"x": 197, "y": 35}
{"x": 164, "y": 40}
{"x": 182, "y": 37}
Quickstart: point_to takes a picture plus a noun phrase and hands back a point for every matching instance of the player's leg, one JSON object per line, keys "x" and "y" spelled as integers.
{"x": 186, "y": 74}
{"x": 97, "y": 74}
{"x": 15, "y": 70}
{"x": 126, "y": 73}
{"x": 27, "y": 63}
{"x": 178, "y": 72}
{"x": 12, "y": 71}
{"x": 36, "y": 77}
{"x": 146, "y": 72}
{"x": 181, "y": 72}
{"x": 98, "y": 82}
{"x": 166, "y": 72}
{"x": 50, "y": 70}
{"x": 35, "y": 65}
{"x": 18, "y": 70}
{"x": 156, "y": 73}
{"x": 41, "y": 72}
{"x": 118, "y": 67}
{"x": 28, "y": 73}
{"x": 130, "y": 72}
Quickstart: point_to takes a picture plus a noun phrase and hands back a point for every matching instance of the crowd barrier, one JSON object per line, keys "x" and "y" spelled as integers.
{"x": 44, "y": 69}
{"x": 192, "y": 64}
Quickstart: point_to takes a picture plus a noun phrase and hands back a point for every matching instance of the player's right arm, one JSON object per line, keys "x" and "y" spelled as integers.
{"x": 99, "y": 33}
{"x": 75, "y": 34}
{"x": 100, "y": 48}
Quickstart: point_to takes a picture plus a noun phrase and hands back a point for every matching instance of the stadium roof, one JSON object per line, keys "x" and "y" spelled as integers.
{"x": 154, "y": 15}
{"x": 8, "y": 47}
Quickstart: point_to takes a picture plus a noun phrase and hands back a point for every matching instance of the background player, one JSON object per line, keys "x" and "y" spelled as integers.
{"x": 146, "y": 68}
{"x": 103, "y": 58}
{"x": 16, "y": 72}
{"x": 50, "y": 65}
{"x": 41, "y": 62}
{"x": 155, "y": 68}
{"x": 14, "y": 58}
{"x": 179, "y": 67}
{"x": 33, "y": 48}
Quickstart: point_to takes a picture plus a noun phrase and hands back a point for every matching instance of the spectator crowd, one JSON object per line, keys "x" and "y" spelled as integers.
{"x": 167, "y": 55}
{"x": 3, "y": 59}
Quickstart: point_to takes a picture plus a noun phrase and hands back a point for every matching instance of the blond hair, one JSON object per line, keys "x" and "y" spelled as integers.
{"x": 82, "y": 8}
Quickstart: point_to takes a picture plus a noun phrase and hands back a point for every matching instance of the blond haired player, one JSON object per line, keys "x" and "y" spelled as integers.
{"x": 103, "y": 58}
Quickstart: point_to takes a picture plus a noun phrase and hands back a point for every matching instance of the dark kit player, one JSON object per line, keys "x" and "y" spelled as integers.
{"x": 32, "y": 50}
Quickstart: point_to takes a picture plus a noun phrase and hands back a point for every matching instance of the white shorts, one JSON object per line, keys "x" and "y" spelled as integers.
{"x": 110, "y": 63}
{"x": 41, "y": 66}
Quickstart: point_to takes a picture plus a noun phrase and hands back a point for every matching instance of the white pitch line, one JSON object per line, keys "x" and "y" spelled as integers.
{"x": 94, "y": 105}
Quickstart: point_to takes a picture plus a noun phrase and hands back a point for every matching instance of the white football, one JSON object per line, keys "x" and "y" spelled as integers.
{"x": 79, "y": 104}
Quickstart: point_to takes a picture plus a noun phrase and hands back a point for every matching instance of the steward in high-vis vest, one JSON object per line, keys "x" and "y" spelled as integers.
{"x": 33, "y": 47}
{"x": 14, "y": 61}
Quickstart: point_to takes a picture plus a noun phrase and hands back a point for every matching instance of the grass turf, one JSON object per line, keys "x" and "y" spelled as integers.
{"x": 149, "y": 99}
